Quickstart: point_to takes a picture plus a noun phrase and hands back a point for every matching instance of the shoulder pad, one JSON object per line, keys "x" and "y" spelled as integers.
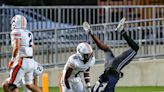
{"x": 75, "y": 57}
{"x": 17, "y": 30}
{"x": 16, "y": 33}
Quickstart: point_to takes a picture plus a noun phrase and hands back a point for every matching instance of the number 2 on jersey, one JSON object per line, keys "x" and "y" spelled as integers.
{"x": 30, "y": 41}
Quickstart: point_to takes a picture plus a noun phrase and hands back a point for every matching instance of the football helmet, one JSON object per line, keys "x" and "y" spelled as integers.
{"x": 84, "y": 50}
{"x": 18, "y": 22}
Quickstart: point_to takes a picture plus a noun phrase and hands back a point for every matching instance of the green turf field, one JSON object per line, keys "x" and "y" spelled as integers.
{"x": 122, "y": 89}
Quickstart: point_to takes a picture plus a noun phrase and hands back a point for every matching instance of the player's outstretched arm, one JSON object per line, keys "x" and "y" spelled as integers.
{"x": 99, "y": 43}
{"x": 67, "y": 75}
{"x": 16, "y": 48}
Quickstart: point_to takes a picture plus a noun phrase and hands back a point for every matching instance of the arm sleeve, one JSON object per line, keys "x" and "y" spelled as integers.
{"x": 14, "y": 35}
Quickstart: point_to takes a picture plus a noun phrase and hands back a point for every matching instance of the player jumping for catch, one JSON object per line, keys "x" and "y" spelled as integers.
{"x": 113, "y": 65}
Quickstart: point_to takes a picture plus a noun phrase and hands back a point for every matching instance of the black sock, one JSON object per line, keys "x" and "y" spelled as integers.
{"x": 130, "y": 42}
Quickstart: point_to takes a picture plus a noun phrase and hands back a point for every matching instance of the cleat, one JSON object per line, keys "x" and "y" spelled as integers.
{"x": 121, "y": 25}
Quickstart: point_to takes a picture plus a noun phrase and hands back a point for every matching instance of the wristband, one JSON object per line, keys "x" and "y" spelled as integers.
{"x": 91, "y": 32}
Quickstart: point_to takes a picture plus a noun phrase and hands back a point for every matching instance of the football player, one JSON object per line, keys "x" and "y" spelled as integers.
{"x": 113, "y": 65}
{"x": 36, "y": 73}
{"x": 22, "y": 55}
{"x": 77, "y": 64}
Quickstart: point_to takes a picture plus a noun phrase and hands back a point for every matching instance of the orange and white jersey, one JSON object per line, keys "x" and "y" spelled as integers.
{"x": 77, "y": 65}
{"x": 26, "y": 42}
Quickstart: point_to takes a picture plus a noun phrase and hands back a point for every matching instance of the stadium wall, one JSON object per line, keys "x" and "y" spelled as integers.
{"x": 139, "y": 73}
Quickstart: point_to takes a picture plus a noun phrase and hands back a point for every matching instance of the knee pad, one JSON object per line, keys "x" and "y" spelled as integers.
{"x": 12, "y": 87}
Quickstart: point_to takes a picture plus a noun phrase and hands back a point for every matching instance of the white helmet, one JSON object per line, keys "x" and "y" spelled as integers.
{"x": 38, "y": 69}
{"x": 84, "y": 50}
{"x": 18, "y": 22}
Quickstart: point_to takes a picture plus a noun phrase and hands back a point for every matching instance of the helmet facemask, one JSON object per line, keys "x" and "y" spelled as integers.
{"x": 87, "y": 56}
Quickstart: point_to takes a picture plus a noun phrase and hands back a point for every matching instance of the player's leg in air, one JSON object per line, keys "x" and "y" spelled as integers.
{"x": 113, "y": 73}
{"x": 126, "y": 57}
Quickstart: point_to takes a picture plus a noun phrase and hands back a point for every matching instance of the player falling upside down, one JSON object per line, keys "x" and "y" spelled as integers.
{"x": 113, "y": 65}
{"x": 22, "y": 55}
{"x": 77, "y": 64}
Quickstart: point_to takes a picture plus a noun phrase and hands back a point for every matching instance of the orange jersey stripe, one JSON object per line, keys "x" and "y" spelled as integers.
{"x": 22, "y": 22}
{"x": 15, "y": 71}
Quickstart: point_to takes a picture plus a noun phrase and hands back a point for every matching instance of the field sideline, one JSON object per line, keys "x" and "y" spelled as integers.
{"x": 122, "y": 89}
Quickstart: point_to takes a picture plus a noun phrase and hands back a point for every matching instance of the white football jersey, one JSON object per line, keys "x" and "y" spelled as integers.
{"x": 26, "y": 41}
{"x": 77, "y": 65}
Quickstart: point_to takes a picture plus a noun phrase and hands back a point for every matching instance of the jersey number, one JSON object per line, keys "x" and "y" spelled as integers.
{"x": 78, "y": 73}
{"x": 99, "y": 87}
{"x": 30, "y": 41}
{"x": 39, "y": 67}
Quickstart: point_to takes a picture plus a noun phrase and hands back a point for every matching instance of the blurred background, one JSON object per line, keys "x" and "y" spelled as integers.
{"x": 57, "y": 29}
{"x": 80, "y": 2}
